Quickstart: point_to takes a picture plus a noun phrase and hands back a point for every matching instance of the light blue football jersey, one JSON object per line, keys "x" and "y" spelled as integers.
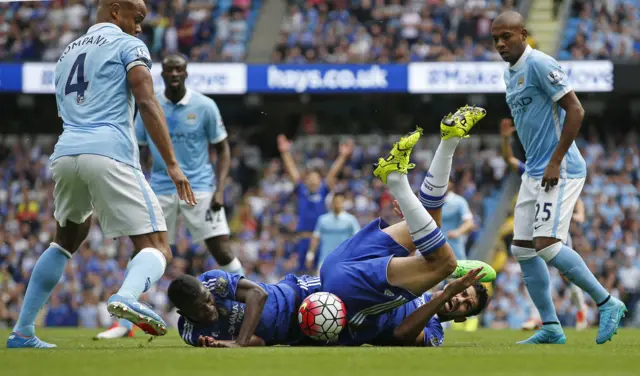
{"x": 94, "y": 100}
{"x": 455, "y": 212}
{"x": 535, "y": 84}
{"x": 333, "y": 229}
{"x": 194, "y": 122}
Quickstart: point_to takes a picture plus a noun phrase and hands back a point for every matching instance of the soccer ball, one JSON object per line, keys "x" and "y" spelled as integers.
{"x": 322, "y": 316}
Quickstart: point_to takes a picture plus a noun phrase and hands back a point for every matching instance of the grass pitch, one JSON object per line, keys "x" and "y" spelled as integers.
{"x": 485, "y": 352}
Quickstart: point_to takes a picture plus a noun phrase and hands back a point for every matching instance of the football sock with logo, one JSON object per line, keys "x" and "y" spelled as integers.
{"x": 44, "y": 278}
{"x": 569, "y": 263}
{"x": 425, "y": 233}
{"x": 144, "y": 270}
{"x": 435, "y": 184}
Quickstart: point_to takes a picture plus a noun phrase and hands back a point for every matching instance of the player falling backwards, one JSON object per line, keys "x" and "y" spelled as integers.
{"x": 194, "y": 124}
{"x": 517, "y": 166}
{"x": 95, "y": 166}
{"x": 547, "y": 117}
{"x": 371, "y": 272}
{"x": 367, "y": 271}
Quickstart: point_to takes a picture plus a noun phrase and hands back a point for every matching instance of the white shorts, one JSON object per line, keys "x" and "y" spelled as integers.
{"x": 545, "y": 214}
{"x": 119, "y": 193}
{"x": 201, "y": 221}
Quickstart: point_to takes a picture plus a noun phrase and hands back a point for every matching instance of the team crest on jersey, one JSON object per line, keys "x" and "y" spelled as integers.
{"x": 220, "y": 286}
{"x": 223, "y": 311}
{"x": 191, "y": 119}
{"x": 555, "y": 76}
{"x": 520, "y": 82}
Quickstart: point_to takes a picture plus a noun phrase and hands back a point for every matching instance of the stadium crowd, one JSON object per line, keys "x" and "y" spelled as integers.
{"x": 262, "y": 213}
{"x": 599, "y": 29}
{"x": 385, "y": 31}
{"x": 203, "y": 30}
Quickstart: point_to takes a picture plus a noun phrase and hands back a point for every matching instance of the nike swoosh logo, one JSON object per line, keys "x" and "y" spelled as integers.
{"x": 537, "y": 227}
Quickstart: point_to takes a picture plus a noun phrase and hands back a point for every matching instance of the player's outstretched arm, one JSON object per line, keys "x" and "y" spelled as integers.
{"x": 407, "y": 332}
{"x": 139, "y": 78}
{"x": 346, "y": 149}
{"x": 254, "y": 297}
{"x": 506, "y": 130}
{"x": 284, "y": 146}
{"x": 572, "y": 122}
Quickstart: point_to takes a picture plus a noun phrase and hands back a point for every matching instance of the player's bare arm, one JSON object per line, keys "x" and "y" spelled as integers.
{"x": 139, "y": 79}
{"x": 254, "y": 297}
{"x": 284, "y": 146}
{"x": 223, "y": 165}
{"x": 409, "y": 332}
{"x": 572, "y": 122}
{"x": 579, "y": 213}
{"x": 346, "y": 149}
{"x": 506, "y": 130}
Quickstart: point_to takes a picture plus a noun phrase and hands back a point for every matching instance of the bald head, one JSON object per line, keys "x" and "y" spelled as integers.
{"x": 509, "y": 35}
{"x": 126, "y": 14}
{"x": 510, "y": 19}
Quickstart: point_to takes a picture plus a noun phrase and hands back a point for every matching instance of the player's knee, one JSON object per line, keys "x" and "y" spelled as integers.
{"x": 449, "y": 263}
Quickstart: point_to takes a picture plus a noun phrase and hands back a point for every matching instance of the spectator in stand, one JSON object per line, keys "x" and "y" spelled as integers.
{"x": 311, "y": 193}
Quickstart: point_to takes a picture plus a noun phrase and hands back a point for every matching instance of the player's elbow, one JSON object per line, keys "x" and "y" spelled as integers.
{"x": 258, "y": 295}
{"x": 404, "y": 337}
{"x": 145, "y": 105}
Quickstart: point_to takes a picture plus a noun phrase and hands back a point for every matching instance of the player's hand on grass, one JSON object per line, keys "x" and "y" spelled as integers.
{"x": 182, "y": 184}
{"x": 346, "y": 148}
{"x": 506, "y": 128}
{"x": 551, "y": 176}
{"x": 217, "y": 202}
{"x": 396, "y": 209}
{"x": 284, "y": 145}
{"x": 225, "y": 344}
{"x": 205, "y": 341}
{"x": 457, "y": 286}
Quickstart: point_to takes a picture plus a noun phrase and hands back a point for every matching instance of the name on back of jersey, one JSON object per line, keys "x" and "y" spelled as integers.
{"x": 98, "y": 40}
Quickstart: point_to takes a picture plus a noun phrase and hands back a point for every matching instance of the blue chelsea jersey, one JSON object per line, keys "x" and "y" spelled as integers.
{"x": 278, "y": 323}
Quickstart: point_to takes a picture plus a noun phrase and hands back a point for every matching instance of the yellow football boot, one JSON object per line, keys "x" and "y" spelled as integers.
{"x": 398, "y": 158}
{"x": 460, "y": 123}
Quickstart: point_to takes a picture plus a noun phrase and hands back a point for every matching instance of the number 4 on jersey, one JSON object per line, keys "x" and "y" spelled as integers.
{"x": 81, "y": 85}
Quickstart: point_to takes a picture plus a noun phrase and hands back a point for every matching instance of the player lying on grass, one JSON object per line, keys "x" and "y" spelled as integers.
{"x": 220, "y": 309}
{"x": 419, "y": 322}
{"x": 372, "y": 272}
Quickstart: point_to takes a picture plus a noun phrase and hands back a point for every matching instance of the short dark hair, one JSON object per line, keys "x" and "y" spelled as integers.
{"x": 184, "y": 290}
{"x": 483, "y": 299}
{"x": 175, "y": 55}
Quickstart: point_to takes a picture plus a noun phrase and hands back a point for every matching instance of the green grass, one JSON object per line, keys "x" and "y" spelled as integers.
{"x": 481, "y": 353}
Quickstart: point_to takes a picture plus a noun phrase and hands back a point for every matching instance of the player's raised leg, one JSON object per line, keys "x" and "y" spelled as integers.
{"x": 415, "y": 274}
{"x": 551, "y": 232}
{"x": 433, "y": 191}
{"x": 73, "y": 216}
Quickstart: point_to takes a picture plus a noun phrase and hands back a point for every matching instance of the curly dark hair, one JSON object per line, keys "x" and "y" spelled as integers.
{"x": 483, "y": 299}
{"x": 184, "y": 290}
